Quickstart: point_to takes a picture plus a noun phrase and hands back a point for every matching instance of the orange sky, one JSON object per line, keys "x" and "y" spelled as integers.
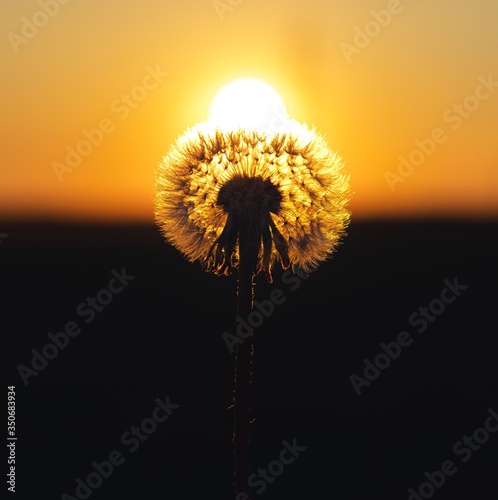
{"x": 371, "y": 98}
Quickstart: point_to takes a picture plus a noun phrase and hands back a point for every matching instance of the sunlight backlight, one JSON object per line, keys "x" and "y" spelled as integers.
{"x": 249, "y": 103}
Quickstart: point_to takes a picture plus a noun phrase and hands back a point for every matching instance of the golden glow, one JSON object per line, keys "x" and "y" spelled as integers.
{"x": 249, "y": 103}
{"x": 307, "y": 221}
{"x": 389, "y": 98}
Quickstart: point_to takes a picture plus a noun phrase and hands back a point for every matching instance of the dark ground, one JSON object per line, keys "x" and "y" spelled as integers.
{"x": 162, "y": 336}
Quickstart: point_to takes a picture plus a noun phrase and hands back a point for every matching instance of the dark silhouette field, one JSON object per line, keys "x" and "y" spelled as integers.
{"x": 151, "y": 326}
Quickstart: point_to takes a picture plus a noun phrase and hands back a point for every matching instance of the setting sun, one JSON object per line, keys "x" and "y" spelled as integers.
{"x": 408, "y": 99}
{"x": 248, "y": 103}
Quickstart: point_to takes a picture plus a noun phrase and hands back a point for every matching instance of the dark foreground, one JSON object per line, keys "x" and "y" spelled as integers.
{"x": 94, "y": 421}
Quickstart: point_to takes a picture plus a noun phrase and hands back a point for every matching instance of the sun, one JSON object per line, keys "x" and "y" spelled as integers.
{"x": 249, "y": 103}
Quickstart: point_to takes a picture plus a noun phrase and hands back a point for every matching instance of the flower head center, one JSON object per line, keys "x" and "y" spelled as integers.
{"x": 251, "y": 194}
{"x": 248, "y": 202}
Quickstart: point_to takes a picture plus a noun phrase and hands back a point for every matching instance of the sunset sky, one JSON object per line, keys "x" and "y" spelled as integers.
{"x": 380, "y": 78}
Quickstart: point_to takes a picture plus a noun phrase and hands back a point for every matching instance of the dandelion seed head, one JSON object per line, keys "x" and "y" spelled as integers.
{"x": 282, "y": 194}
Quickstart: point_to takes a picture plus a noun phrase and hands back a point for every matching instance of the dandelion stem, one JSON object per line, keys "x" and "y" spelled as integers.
{"x": 242, "y": 446}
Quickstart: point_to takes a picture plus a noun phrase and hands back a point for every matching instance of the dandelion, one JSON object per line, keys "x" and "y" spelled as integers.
{"x": 248, "y": 199}
{"x": 280, "y": 196}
